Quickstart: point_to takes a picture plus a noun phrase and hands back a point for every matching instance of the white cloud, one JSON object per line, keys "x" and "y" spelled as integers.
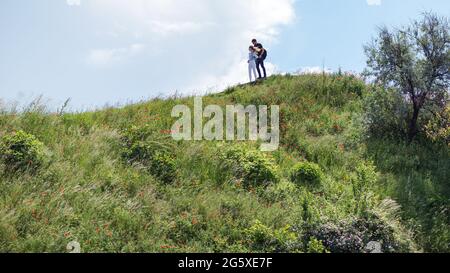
{"x": 73, "y": 2}
{"x": 108, "y": 56}
{"x": 192, "y": 15}
{"x": 374, "y": 2}
{"x": 313, "y": 70}
{"x": 204, "y": 42}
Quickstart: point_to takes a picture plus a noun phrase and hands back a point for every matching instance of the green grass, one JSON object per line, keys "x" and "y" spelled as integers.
{"x": 88, "y": 192}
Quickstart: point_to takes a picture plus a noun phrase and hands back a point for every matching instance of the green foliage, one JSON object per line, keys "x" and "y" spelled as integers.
{"x": 186, "y": 227}
{"x": 83, "y": 121}
{"x": 415, "y": 61}
{"x": 253, "y": 167}
{"x": 353, "y": 236}
{"x": 282, "y": 191}
{"x": 363, "y": 181}
{"x": 139, "y": 142}
{"x": 438, "y": 127}
{"x": 416, "y": 175}
{"x": 260, "y": 235}
{"x": 139, "y": 147}
{"x": 87, "y": 194}
{"x": 316, "y": 246}
{"x": 386, "y": 113}
{"x": 163, "y": 166}
{"x": 231, "y": 208}
{"x": 307, "y": 213}
{"x": 307, "y": 173}
{"x": 21, "y": 151}
{"x": 437, "y": 234}
{"x": 338, "y": 88}
{"x": 263, "y": 239}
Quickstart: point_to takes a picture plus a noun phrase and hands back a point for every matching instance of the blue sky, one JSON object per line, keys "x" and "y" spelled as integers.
{"x": 100, "y": 52}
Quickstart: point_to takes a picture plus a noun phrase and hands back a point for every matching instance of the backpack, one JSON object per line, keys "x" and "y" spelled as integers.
{"x": 264, "y": 55}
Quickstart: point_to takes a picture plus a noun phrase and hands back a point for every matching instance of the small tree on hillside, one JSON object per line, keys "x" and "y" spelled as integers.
{"x": 415, "y": 60}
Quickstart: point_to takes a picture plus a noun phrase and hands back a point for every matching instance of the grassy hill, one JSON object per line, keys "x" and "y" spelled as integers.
{"x": 114, "y": 180}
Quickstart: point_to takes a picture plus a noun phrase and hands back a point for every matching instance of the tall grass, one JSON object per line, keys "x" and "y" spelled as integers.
{"x": 87, "y": 193}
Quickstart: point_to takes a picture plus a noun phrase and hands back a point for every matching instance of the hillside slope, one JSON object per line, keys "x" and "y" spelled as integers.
{"x": 114, "y": 180}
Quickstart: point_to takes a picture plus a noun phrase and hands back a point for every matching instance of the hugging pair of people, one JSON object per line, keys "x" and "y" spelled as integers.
{"x": 256, "y": 56}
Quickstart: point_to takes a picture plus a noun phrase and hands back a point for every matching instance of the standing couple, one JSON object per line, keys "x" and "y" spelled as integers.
{"x": 256, "y": 56}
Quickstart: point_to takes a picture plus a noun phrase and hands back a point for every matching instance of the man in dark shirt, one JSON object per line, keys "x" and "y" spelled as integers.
{"x": 262, "y": 55}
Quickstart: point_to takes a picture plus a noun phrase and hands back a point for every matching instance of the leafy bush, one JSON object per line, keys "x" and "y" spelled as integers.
{"x": 307, "y": 173}
{"x": 386, "y": 114}
{"x": 260, "y": 235}
{"x": 139, "y": 142}
{"x": 253, "y": 167}
{"x": 159, "y": 163}
{"x": 353, "y": 236}
{"x": 139, "y": 147}
{"x": 264, "y": 239}
{"x": 355, "y": 133}
{"x": 316, "y": 246}
{"x": 162, "y": 165}
{"x": 279, "y": 192}
{"x": 21, "y": 151}
{"x": 438, "y": 127}
{"x": 365, "y": 178}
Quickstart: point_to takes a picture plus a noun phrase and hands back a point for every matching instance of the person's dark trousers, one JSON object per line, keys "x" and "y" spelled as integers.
{"x": 260, "y": 63}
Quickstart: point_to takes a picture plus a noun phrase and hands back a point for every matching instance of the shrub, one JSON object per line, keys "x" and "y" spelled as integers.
{"x": 316, "y": 246}
{"x": 279, "y": 192}
{"x": 264, "y": 239}
{"x": 162, "y": 165}
{"x": 353, "y": 236}
{"x": 365, "y": 178}
{"x": 438, "y": 127}
{"x": 138, "y": 143}
{"x": 355, "y": 133}
{"x": 159, "y": 162}
{"x": 307, "y": 173}
{"x": 139, "y": 147}
{"x": 260, "y": 236}
{"x": 21, "y": 151}
{"x": 253, "y": 167}
{"x": 386, "y": 114}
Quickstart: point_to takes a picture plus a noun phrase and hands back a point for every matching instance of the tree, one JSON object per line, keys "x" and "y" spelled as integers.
{"x": 415, "y": 60}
